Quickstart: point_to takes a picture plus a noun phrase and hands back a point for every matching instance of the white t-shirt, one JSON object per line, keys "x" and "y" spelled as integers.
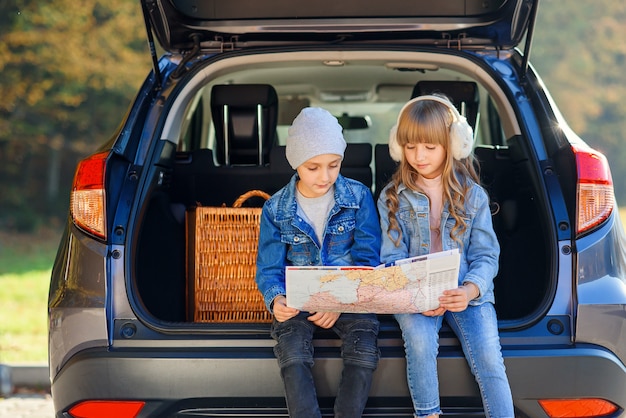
{"x": 316, "y": 210}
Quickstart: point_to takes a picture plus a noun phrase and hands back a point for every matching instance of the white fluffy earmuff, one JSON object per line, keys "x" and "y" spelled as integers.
{"x": 461, "y": 133}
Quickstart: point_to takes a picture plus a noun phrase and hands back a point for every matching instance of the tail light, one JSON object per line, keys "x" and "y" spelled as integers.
{"x": 579, "y": 408}
{"x": 106, "y": 409}
{"x": 87, "y": 199}
{"x": 595, "y": 193}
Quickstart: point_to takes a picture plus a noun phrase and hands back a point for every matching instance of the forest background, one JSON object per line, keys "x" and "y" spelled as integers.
{"x": 71, "y": 68}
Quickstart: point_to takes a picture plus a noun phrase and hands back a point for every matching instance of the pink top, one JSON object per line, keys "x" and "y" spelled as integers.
{"x": 433, "y": 188}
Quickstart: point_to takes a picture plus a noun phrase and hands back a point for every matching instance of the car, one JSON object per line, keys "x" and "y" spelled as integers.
{"x": 130, "y": 337}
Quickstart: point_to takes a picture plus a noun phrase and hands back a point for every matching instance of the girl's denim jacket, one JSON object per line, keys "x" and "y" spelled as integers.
{"x": 480, "y": 249}
{"x": 351, "y": 236}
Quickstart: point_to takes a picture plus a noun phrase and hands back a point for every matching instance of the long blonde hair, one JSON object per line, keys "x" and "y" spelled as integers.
{"x": 428, "y": 122}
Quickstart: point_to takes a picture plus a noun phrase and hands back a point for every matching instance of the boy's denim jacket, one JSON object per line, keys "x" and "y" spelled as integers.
{"x": 351, "y": 237}
{"x": 480, "y": 250}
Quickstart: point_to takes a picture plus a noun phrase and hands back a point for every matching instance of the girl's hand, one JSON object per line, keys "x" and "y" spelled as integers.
{"x": 324, "y": 319}
{"x": 435, "y": 312}
{"x": 282, "y": 312}
{"x": 457, "y": 300}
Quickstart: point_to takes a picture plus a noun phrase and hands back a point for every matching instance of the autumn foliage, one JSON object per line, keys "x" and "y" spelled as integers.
{"x": 70, "y": 68}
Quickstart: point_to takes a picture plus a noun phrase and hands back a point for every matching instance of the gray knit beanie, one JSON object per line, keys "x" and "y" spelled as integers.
{"x": 313, "y": 132}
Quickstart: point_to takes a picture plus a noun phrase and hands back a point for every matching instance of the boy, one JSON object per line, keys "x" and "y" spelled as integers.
{"x": 318, "y": 218}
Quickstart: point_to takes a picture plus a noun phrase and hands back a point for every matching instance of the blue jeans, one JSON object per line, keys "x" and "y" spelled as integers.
{"x": 359, "y": 351}
{"x": 477, "y": 330}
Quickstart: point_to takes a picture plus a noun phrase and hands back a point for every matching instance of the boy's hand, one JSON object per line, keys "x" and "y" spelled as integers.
{"x": 324, "y": 319}
{"x": 282, "y": 312}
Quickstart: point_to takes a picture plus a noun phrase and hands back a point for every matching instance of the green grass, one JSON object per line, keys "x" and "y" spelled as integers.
{"x": 25, "y": 266}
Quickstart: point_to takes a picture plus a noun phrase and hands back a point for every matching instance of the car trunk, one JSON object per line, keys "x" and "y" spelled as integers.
{"x": 199, "y": 174}
{"x": 185, "y": 179}
{"x": 162, "y": 276}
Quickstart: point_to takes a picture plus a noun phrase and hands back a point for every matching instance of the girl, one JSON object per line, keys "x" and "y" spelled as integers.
{"x": 434, "y": 203}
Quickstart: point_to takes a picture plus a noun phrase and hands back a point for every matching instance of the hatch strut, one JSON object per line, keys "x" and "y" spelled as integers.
{"x": 176, "y": 74}
{"x": 153, "y": 54}
{"x": 529, "y": 36}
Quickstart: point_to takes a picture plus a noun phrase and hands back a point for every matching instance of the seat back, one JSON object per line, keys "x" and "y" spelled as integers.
{"x": 245, "y": 117}
{"x": 464, "y": 95}
{"x": 384, "y": 167}
{"x": 496, "y": 176}
{"x": 356, "y": 163}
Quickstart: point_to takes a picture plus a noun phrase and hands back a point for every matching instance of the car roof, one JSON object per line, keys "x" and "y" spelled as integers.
{"x": 211, "y": 25}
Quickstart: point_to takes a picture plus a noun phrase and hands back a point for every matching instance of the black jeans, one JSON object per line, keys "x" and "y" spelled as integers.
{"x": 359, "y": 351}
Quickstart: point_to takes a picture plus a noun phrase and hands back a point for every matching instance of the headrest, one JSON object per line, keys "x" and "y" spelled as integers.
{"x": 464, "y": 95}
{"x": 245, "y": 118}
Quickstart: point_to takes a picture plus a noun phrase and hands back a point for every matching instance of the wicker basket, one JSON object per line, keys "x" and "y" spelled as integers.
{"x": 222, "y": 249}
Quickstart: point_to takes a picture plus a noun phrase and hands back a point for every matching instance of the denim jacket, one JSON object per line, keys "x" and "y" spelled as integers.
{"x": 480, "y": 249}
{"x": 351, "y": 236}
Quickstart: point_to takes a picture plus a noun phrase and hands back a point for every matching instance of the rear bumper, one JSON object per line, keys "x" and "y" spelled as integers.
{"x": 237, "y": 381}
{"x": 585, "y": 371}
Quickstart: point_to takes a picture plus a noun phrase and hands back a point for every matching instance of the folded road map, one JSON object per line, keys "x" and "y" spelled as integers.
{"x": 409, "y": 285}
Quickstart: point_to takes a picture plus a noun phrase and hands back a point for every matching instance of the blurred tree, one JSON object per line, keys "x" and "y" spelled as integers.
{"x": 580, "y": 52}
{"x": 69, "y": 70}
